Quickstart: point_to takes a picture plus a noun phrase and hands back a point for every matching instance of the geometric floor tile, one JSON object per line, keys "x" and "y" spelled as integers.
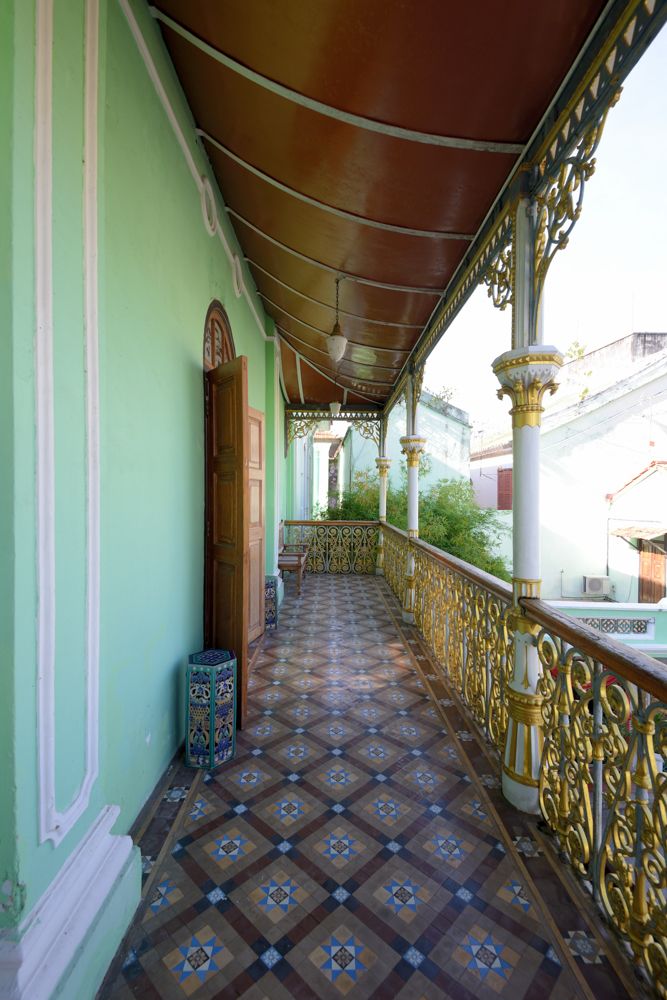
{"x": 402, "y": 895}
{"x": 490, "y": 960}
{"x": 277, "y": 896}
{"x": 345, "y": 851}
{"x": 343, "y": 959}
{"x": 197, "y": 961}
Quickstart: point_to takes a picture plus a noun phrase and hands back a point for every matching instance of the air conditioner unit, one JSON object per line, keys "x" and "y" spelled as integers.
{"x": 597, "y": 586}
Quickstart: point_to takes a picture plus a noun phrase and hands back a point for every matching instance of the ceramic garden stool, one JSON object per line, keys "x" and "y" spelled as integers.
{"x": 210, "y": 720}
{"x": 271, "y": 603}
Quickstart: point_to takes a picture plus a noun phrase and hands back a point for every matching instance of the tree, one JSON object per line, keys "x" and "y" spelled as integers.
{"x": 449, "y": 517}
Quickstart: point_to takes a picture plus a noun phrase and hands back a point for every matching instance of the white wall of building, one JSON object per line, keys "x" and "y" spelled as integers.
{"x": 447, "y": 446}
{"x": 607, "y": 441}
{"x": 590, "y": 449}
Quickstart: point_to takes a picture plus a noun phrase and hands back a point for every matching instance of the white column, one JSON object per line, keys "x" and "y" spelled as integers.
{"x": 383, "y": 465}
{"x": 412, "y": 447}
{"x": 525, "y": 374}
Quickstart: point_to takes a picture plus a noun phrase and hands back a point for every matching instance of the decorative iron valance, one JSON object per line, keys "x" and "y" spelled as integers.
{"x": 303, "y": 421}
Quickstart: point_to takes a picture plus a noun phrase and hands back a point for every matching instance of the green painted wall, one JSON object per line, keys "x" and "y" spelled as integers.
{"x": 8, "y": 855}
{"x": 158, "y": 271}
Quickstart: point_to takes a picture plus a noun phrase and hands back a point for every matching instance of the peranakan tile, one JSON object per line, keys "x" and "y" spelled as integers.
{"x": 343, "y": 958}
{"x": 345, "y": 851}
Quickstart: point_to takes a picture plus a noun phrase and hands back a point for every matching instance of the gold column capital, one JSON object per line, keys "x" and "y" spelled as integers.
{"x": 412, "y": 447}
{"x": 383, "y": 465}
{"x": 526, "y": 375}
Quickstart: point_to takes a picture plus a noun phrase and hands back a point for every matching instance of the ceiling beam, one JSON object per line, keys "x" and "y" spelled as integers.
{"x": 411, "y": 289}
{"x": 337, "y": 114}
{"x": 323, "y": 206}
{"x": 327, "y": 305}
{"x": 326, "y": 333}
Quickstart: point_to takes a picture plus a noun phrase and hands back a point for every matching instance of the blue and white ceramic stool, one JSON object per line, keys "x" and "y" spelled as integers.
{"x": 210, "y": 727}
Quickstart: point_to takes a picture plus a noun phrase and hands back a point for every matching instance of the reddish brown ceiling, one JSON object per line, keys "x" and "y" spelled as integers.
{"x": 484, "y": 72}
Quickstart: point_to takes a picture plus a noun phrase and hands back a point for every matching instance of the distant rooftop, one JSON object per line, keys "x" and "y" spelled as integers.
{"x": 581, "y": 381}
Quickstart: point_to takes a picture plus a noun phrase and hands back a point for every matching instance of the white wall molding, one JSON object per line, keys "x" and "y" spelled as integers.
{"x": 33, "y": 961}
{"x": 199, "y": 180}
{"x": 45, "y": 445}
{"x": 54, "y": 824}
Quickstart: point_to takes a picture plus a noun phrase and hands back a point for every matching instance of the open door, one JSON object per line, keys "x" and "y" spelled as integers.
{"x": 227, "y": 522}
{"x": 256, "y": 523}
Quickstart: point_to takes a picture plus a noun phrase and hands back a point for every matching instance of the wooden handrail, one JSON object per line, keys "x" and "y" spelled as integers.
{"x": 480, "y": 576}
{"x": 632, "y": 664}
{"x": 397, "y": 531}
{"x": 492, "y": 583}
{"x": 334, "y": 523}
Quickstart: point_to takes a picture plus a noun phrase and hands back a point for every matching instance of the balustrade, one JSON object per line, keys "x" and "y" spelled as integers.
{"x": 336, "y": 546}
{"x": 603, "y": 791}
{"x": 395, "y": 545}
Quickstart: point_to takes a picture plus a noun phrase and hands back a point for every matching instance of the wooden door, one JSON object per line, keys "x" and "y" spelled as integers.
{"x": 227, "y": 537}
{"x": 652, "y": 570}
{"x": 256, "y": 523}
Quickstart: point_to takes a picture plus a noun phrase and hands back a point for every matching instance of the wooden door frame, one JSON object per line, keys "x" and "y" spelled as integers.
{"x": 259, "y": 416}
{"x": 238, "y": 637}
{"x": 215, "y": 313}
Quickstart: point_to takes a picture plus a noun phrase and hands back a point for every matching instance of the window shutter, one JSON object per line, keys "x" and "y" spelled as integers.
{"x": 504, "y": 489}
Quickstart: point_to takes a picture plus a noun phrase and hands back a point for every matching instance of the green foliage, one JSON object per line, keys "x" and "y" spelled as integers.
{"x": 360, "y": 503}
{"x": 449, "y": 517}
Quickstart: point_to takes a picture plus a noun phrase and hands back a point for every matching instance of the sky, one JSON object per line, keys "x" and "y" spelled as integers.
{"x": 610, "y": 280}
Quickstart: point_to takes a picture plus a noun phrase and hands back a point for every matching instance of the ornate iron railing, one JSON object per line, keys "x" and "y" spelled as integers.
{"x": 336, "y": 546}
{"x": 603, "y": 791}
{"x": 462, "y": 614}
{"x": 395, "y": 551}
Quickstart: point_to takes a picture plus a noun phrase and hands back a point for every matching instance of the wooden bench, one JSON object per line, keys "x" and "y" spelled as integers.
{"x": 292, "y": 557}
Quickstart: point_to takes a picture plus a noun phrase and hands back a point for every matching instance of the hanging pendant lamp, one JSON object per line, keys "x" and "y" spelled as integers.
{"x": 336, "y": 342}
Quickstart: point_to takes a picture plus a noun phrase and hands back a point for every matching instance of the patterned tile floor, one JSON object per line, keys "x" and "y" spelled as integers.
{"x": 358, "y": 844}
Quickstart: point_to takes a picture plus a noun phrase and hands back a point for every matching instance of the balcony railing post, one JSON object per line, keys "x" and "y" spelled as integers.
{"x": 525, "y": 374}
{"x": 383, "y": 464}
{"x": 412, "y": 447}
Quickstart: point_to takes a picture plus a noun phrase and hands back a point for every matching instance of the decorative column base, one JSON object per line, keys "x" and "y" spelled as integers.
{"x": 379, "y": 561}
{"x": 523, "y": 751}
{"x": 412, "y": 447}
{"x": 525, "y": 733}
{"x": 408, "y": 612}
{"x": 383, "y": 464}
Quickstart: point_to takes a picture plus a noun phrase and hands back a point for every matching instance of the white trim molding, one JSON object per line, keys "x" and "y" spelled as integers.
{"x": 200, "y": 180}
{"x": 33, "y": 962}
{"x": 54, "y": 824}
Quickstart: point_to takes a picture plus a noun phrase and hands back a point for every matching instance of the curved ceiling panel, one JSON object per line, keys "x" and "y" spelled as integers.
{"x": 366, "y": 141}
{"x": 362, "y": 172}
{"x": 486, "y": 70}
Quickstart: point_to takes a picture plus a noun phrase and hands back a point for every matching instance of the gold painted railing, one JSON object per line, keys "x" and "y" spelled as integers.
{"x": 461, "y": 613}
{"x": 336, "y": 546}
{"x": 395, "y": 552}
{"x": 603, "y": 791}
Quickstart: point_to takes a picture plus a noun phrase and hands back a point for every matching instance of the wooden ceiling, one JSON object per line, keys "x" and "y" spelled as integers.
{"x": 367, "y": 139}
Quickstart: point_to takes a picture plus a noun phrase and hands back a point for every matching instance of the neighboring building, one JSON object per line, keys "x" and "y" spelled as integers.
{"x": 603, "y": 483}
{"x": 447, "y": 432}
{"x": 327, "y": 468}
